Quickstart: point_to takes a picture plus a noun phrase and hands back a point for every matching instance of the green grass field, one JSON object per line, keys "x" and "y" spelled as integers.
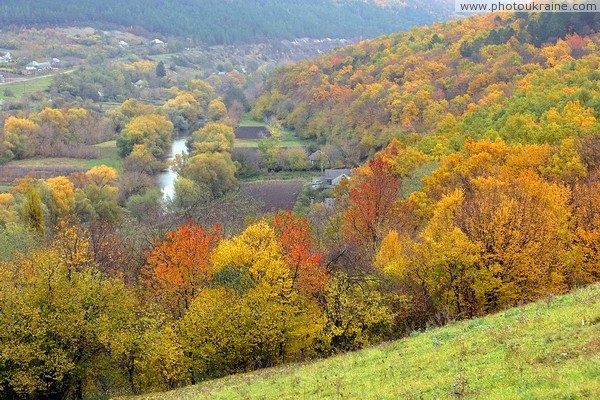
{"x": 18, "y": 89}
{"x": 283, "y": 176}
{"x": 248, "y": 121}
{"x": 288, "y": 138}
{"x": 546, "y": 350}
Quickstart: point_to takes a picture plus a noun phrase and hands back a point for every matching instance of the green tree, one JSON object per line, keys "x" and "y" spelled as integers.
{"x": 32, "y": 210}
{"x": 161, "y": 72}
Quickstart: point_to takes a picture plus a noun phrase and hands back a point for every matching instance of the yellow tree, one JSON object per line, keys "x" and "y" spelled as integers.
{"x": 155, "y": 131}
{"x": 21, "y": 134}
{"x": 63, "y": 197}
{"x": 254, "y": 265}
{"x": 585, "y": 206}
{"x": 213, "y": 137}
{"x": 517, "y": 220}
{"x": 58, "y": 327}
{"x": 216, "y": 110}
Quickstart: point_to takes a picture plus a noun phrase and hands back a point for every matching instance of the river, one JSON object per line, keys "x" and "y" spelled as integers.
{"x": 166, "y": 179}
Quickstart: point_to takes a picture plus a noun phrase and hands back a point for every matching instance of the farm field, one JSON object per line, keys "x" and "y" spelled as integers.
{"x": 288, "y": 138}
{"x": 284, "y": 176}
{"x": 107, "y": 156}
{"x": 548, "y": 349}
{"x": 28, "y": 85}
{"x": 274, "y": 194}
{"x": 18, "y": 89}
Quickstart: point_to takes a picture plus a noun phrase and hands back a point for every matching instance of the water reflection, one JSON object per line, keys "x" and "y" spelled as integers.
{"x": 166, "y": 179}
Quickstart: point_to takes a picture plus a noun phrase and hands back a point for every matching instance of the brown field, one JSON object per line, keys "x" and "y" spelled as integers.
{"x": 8, "y": 174}
{"x": 251, "y": 132}
{"x": 276, "y": 195}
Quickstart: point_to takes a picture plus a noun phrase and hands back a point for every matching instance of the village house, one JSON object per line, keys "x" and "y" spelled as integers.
{"x": 331, "y": 178}
{"x": 41, "y": 66}
{"x": 6, "y": 58}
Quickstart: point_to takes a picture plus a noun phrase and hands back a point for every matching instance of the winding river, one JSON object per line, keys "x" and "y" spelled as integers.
{"x": 166, "y": 179}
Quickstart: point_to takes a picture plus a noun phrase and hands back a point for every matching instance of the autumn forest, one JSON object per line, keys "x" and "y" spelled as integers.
{"x": 475, "y": 187}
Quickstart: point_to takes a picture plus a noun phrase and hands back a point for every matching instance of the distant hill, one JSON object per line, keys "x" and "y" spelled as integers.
{"x": 471, "y": 77}
{"x": 549, "y": 349}
{"x": 231, "y": 21}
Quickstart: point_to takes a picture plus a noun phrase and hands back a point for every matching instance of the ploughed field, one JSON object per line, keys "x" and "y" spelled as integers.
{"x": 275, "y": 195}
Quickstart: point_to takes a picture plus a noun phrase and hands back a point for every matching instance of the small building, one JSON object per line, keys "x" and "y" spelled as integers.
{"x": 123, "y": 43}
{"x": 157, "y": 41}
{"x": 329, "y": 202}
{"x": 36, "y": 66}
{"x": 6, "y": 58}
{"x": 32, "y": 66}
{"x": 333, "y": 177}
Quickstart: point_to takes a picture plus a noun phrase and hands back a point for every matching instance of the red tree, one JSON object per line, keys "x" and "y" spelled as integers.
{"x": 372, "y": 201}
{"x": 179, "y": 267}
{"x": 308, "y": 273}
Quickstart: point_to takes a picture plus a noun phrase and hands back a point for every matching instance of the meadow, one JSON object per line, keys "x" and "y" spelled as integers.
{"x": 545, "y": 350}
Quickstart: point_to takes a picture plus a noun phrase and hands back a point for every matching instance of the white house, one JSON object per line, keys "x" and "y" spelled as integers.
{"x": 6, "y": 58}
{"x": 32, "y": 66}
{"x": 36, "y": 66}
{"x": 333, "y": 177}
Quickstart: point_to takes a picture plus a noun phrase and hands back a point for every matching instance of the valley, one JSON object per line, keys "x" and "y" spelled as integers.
{"x": 316, "y": 199}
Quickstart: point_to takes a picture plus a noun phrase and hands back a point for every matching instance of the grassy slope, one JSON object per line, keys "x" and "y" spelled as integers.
{"x": 37, "y": 84}
{"x": 539, "y": 351}
{"x": 31, "y": 84}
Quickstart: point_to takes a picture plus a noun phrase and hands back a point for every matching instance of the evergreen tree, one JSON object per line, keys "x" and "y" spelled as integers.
{"x": 161, "y": 72}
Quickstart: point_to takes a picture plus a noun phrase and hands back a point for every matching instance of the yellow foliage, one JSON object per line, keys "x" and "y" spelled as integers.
{"x": 101, "y": 175}
{"x": 258, "y": 251}
{"x": 63, "y": 195}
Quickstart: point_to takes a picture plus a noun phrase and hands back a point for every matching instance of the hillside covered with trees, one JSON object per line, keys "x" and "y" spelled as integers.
{"x": 476, "y": 189}
{"x": 493, "y": 76}
{"x": 231, "y": 21}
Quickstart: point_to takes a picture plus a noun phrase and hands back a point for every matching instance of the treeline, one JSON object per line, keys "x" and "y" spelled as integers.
{"x": 492, "y": 76}
{"x": 229, "y": 22}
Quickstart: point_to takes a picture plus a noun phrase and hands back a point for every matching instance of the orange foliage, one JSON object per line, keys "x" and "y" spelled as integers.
{"x": 179, "y": 267}
{"x": 308, "y": 272}
{"x": 372, "y": 204}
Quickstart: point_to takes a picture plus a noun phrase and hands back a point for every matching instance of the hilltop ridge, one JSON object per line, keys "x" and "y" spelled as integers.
{"x": 231, "y": 21}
